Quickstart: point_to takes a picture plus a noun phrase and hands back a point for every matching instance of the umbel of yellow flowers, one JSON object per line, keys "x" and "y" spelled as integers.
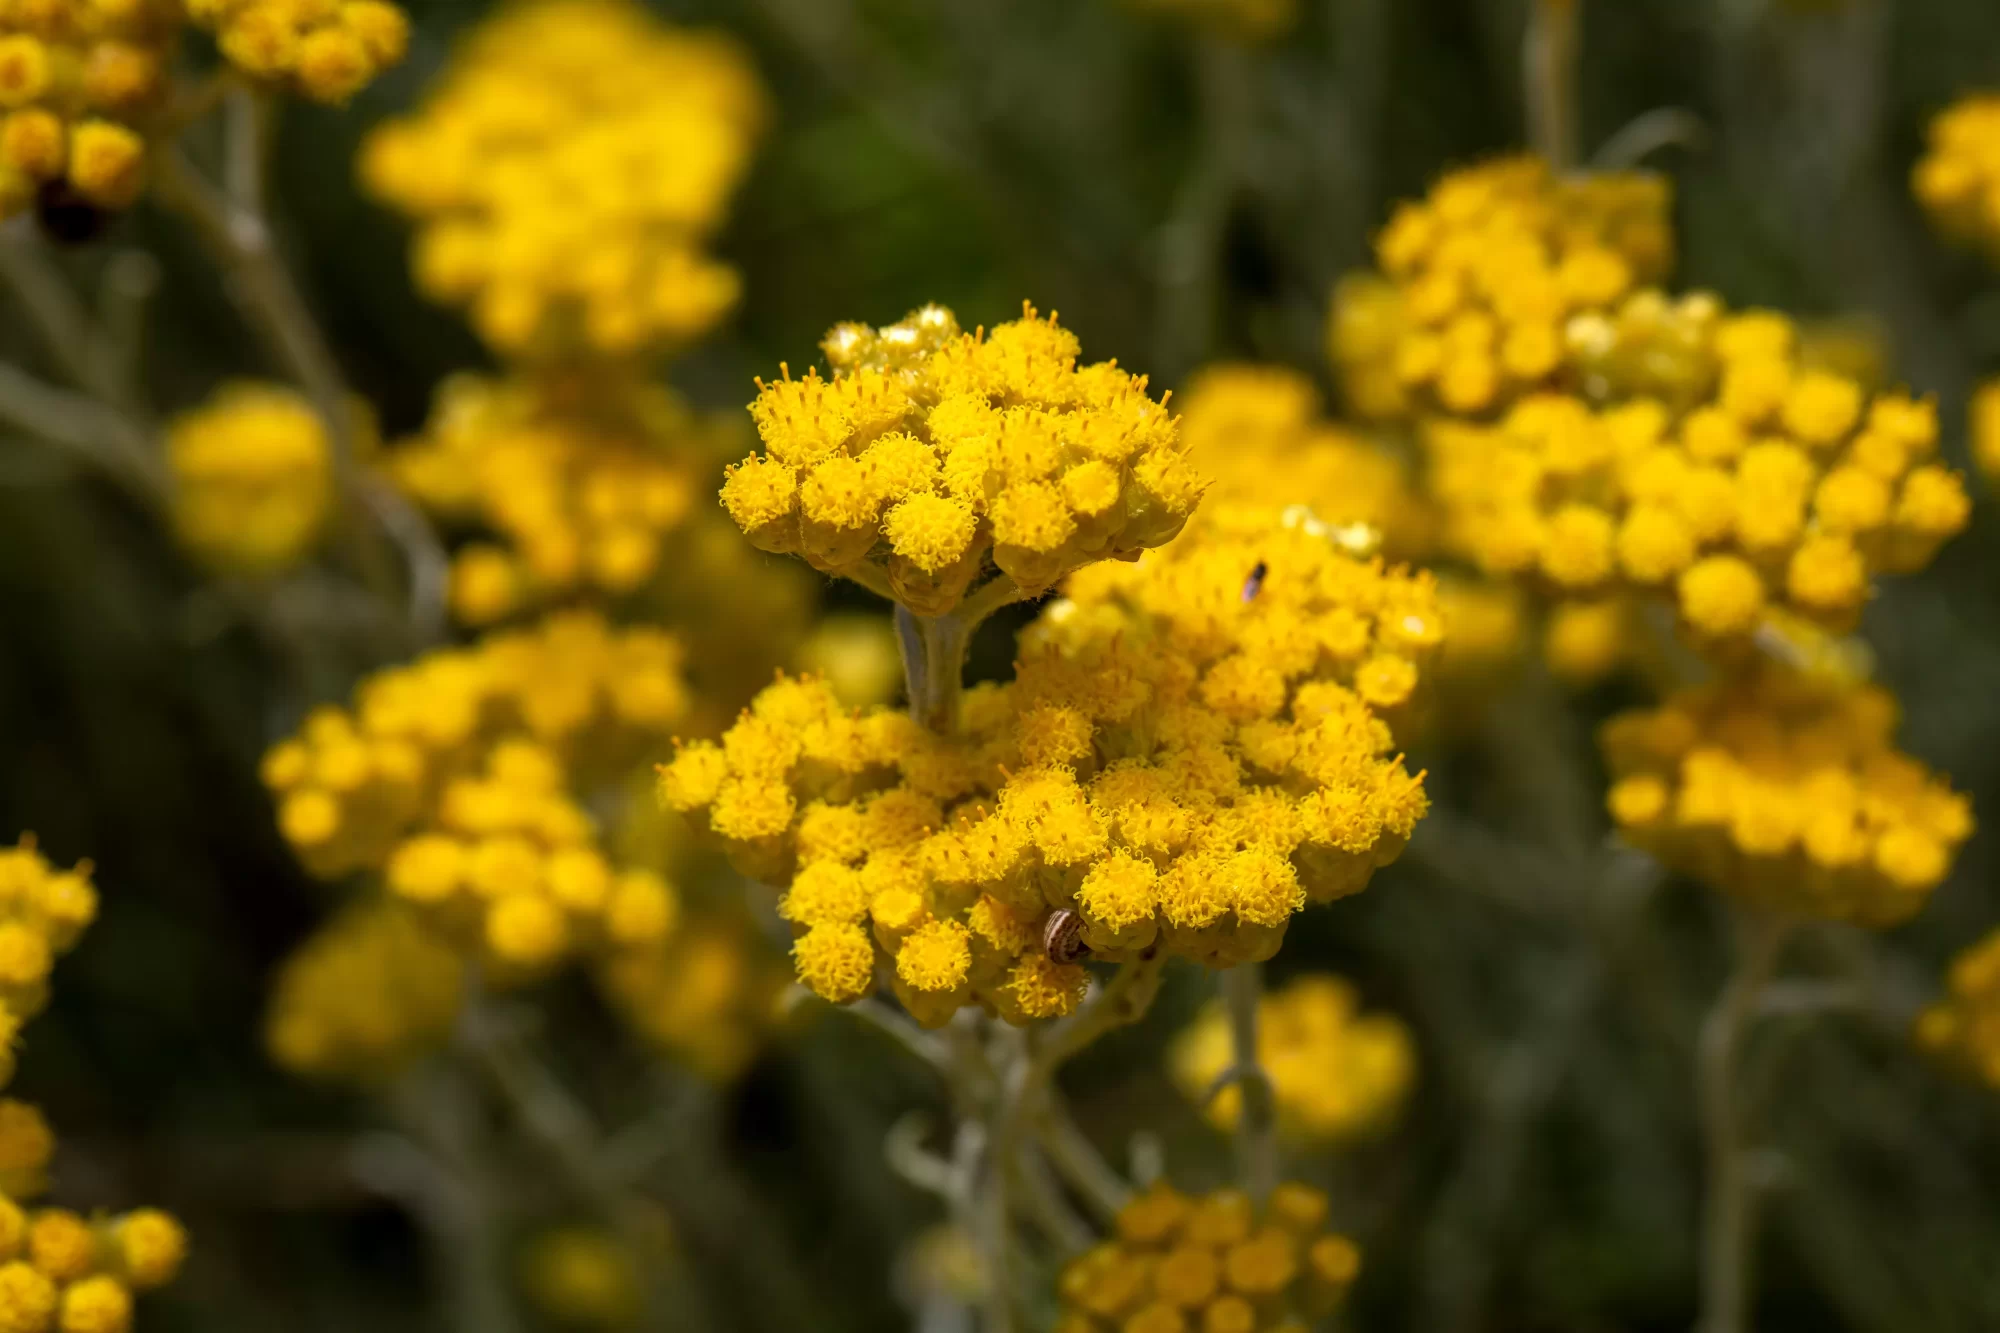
{"x": 83, "y": 82}
{"x": 456, "y": 779}
{"x": 1217, "y": 1263}
{"x": 579, "y": 481}
{"x": 1784, "y": 789}
{"x": 253, "y": 478}
{"x": 1958, "y": 178}
{"x": 1784, "y": 489}
{"x": 78, "y": 81}
{"x": 371, "y": 990}
{"x": 58, "y": 1270}
{"x": 566, "y": 172}
{"x": 328, "y": 50}
{"x": 933, "y": 453}
{"x": 1479, "y": 283}
{"x": 1193, "y": 748}
{"x": 1595, "y": 438}
{"x": 1335, "y": 1073}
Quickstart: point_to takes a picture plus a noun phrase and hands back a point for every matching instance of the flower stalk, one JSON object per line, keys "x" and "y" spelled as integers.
{"x": 1549, "y": 71}
{"x": 1257, "y": 1126}
{"x": 1729, "y": 1205}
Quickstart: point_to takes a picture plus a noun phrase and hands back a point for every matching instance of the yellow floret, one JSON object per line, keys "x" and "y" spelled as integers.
{"x": 836, "y": 961}
{"x": 1721, "y": 596}
{"x": 935, "y": 956}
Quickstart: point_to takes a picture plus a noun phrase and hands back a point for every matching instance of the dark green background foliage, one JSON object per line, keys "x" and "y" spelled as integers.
{"x": 977, "y": 153}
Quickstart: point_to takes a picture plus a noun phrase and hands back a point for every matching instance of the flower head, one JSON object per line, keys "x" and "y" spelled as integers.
{"x": 566, "y": 173}
{"x": 371, "y": 991}
{"x": 79, "y": 85}
{"x": 328, "y": 51}
{"x": 1483, "y": 280}
{"x": 1174, "y": 765}
{"x": 253, "y": 478}
{"x": 1214, "y": 1263}
{"x": 931, "y": 451}
{"x": 1783, "y": 788}
{"x": 1335, "y": 1073}
{"x": 578, "y": 482}
{"x": 1954, "y": 180}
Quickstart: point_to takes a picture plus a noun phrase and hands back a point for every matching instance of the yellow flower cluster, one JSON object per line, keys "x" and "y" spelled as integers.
{"x": 1192, "y": 749}
{"x": 369, "y": 993}
{"x": 1334, "y": 1073}
{"x": 1784, "y": 487}
{"x": 452, "y": 778}
{"x": 1963, "y": 1027}
{"x": 708, "y": 994}
{"x": 1255, "y": 20}
{"x": 931, "y": 449}
{"x": 582, "y": 483}
{"x": 1957, "y": 180}
{"x": 327, "y": 49}
{"x": 1257, "y": 434}
{"x": 1211, "y": 1263}
{"x": 42, "y": 911}
{"x": 1784, "y": 789}
{"x": 78, "y": 80}
{"x": 64, "y": 1273}
{"x": 566, "y": 173}
{"x": 253, "y": 478}
{"x": 1483, "y": 280}
{"x": 59, "y": 1272}
{"x": 1985, "y": 430}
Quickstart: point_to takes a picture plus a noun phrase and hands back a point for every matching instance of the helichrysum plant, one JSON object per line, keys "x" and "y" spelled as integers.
{"x": 1190, "y": 752}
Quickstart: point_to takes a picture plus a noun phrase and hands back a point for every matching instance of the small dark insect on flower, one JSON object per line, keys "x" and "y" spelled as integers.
{"x": 1062, "y": 937}
{"x": 1255, "y": 583}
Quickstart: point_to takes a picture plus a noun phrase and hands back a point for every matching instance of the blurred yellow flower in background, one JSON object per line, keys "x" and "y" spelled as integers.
{"x": 1335, "y": 1073}
{"x": 566, "y": 174}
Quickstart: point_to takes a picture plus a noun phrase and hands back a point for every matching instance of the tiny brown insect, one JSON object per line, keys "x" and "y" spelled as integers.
{"x": 1062, "y": 937}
